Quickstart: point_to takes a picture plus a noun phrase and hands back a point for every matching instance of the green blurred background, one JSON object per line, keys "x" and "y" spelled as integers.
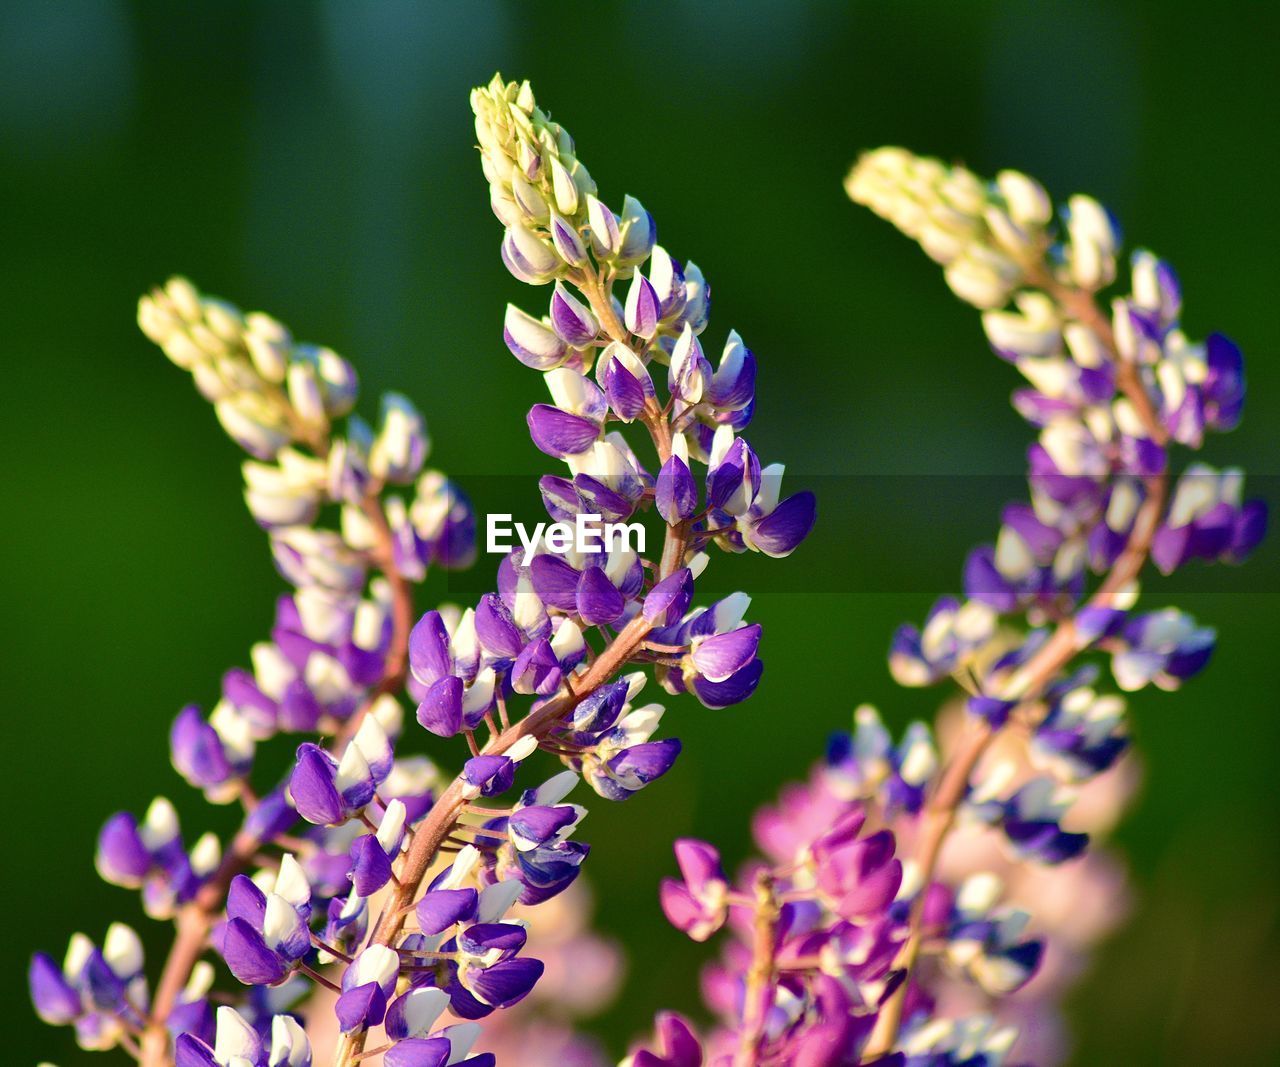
{"x": 316, "y": 160}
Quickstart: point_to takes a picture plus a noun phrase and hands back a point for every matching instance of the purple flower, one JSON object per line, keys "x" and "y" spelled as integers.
{"x": 733, "y": 384}
{"x": 666, "y": 603}
{"x": 720, "y": 666}
{"x": 733, "y": 478}
{"x": 266, "y": 934}
{"x": 599, "y": 710}
{"x": 642, "y": 307}
{"x": 1208, "y": 521}
{"x": 478, "y": 990}
{"x": 626, "y": 381}
{"x": 489, "y": 775}
{"x": 419, "y": 1052}
{"x": 1223, "y": 386}
{"x": 367, "y": 985}
{"x": 677, "y": 1044}
{"x": 326, "y": 791}
{"x": 860, "y": 876}
{"x": 676, "y": 492}
{"x": 372, "y": 854}
{"x": 667, "y": 278}
{"x": 439, "y": 909}
{"x": 561, "y": 433}
{"x": 56, "y": 1000}
{"x": 571, "y": 319}
{"x": 1165, "y": 647}
{"x": 698, "y": 905}
{"x": 202, "y": 756}
{"x": 122, "y": 858}
{"x": 542, "y": 824}
{"x": 239, "y": 1043}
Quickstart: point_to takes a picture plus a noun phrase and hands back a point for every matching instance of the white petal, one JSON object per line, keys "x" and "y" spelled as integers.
{"x": 236, "y": 1038}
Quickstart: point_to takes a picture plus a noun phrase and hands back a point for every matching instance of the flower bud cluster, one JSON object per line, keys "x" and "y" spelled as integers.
{"x": 1111, "y": 396}
{"x": 1053, "y": 600}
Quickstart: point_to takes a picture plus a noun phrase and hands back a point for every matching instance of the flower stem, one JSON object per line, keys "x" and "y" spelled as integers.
{"x": 762, "y": 976}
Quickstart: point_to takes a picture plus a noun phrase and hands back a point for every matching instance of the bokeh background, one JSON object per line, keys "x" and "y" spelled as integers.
{"x": 316, "y": 160}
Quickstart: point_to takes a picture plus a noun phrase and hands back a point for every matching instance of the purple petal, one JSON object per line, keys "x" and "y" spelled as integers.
{"x": 491, "y": 774}
{"x": 370, "y": 865}
{"x": 429, "y": 654}
{"x": 361, "y": 1007}
{"x": 439, "y": 909}
{"x": 246, "y": 901}
{"x": 495, "y": 628}
{"x": 599, "y": 601}
{"x": 531, "y": 341}
{"x": 699, "y": 863}
{"x": 248, "y": 957}
{"x": 299, "y": 708}
{"x": 732, "y": 690}
{"x": 667, "y": 601}
{"x": 984, "y": 582}
{"x": 191, "y": 1051}
{"x": 863, "y": 877}
{"x": 642, "y": 308}
{"x": 538, "y": 824}
{"x": 482, "y": 938}
{"x": 676, "y": 491}
{"x": 441, "y": 709}
{"x": 559, "y": 497}
{"x": 568, "y": 244}
{"x": 719, "y": 657}
{"x": 122, "y": 858}
{"x": 734, "y": 382}
{"x": 504, "y": 983}
{"x": 644, "y": 763}
{"x": 625, "y": 391}
{"x": 737, "y": 474}
{"x": 1249, "y": 530}
{"x": 560, "y": 433}
{"x": 782, "y": 530}
{"x": 677, "y": 1042}
{"x": 197, "y": 750}
{"x": 684, "y": 911}
{"x": 419, "y": 1052}
{"x": 312, "y": 788}
{"x": 536, "y": 669}
{"x": 239, "y": 687}
{"x": 1169, "y": 547}
{"x": 600, "y": 709}
{"x": 56, "y": 1002}
{"x": 572, "y": 320}
{"x": 1223, "y": 387}
{"x": 555, "y": 581}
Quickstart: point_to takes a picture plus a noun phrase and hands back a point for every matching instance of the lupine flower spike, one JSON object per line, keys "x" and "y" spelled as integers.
{"x": 903, "y": 945}
{"x": 336, "y": 657}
